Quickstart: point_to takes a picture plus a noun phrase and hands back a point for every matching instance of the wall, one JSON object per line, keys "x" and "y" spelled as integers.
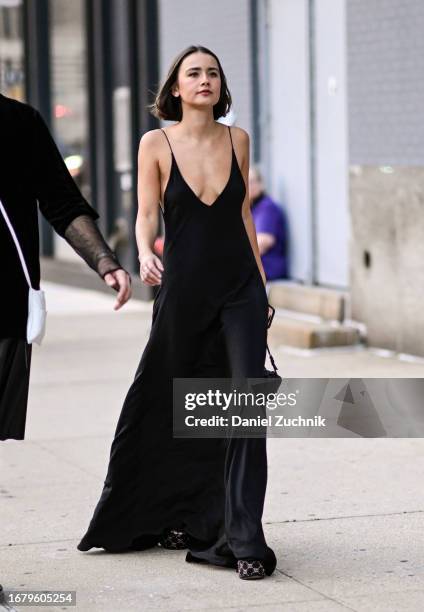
{"x": 221, "y": 26}
{"x": 289, "y": 111}
{"x": 386, "y": 98}
{"x": 331, "y": 227}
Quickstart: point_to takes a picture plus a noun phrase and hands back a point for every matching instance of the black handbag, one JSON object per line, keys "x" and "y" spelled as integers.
{"x": 273, "y": 379}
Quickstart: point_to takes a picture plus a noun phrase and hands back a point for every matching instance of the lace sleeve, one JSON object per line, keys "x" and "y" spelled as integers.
{"x": 85, "y": 238}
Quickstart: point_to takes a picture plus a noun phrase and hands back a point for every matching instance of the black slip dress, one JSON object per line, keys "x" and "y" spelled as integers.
{"x": 209, "y": 319}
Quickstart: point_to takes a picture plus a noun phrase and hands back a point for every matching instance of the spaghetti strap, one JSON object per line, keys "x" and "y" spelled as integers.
{"x": 231, "y": 138}
{"x": 172, "y": 152}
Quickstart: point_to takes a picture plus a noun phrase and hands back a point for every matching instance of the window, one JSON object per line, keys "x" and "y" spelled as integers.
{"x": 12, "y": 82}
{"x": 69, "y": 87}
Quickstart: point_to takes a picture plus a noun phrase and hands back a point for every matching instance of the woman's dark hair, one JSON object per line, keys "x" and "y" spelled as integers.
{"x": 168, "y": 107}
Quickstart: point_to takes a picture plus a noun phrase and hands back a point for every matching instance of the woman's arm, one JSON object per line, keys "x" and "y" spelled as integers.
{"x": 243, "y": 138}
{"x": 148, "y": 192}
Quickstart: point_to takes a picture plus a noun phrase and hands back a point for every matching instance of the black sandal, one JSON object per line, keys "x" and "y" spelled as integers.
{"x": 250, "y": 569}
{"x": 173, "y": 539}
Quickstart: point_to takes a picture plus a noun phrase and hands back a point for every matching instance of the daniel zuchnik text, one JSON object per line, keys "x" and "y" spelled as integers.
{"x": 228, "y": 401}
{"x": 272, "y": 420}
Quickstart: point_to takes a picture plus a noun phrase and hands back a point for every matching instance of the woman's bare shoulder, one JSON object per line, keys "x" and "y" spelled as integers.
{"x": 153, "y": 144}
{"x": 241, "y": 144}
{"x": 240, "y": 135}
{"x": 152, "y": 137}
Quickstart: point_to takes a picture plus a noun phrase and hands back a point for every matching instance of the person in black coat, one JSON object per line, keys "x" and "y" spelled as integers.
{"x": 33, "y": 172}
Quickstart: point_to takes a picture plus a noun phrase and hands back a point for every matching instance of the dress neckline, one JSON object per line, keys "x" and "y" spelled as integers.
{"x": 219, "y": 196}
{"x": 222, "y": 192}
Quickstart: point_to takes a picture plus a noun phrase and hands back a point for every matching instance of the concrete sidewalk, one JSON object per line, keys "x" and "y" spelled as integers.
{"x": 344, "y": 516}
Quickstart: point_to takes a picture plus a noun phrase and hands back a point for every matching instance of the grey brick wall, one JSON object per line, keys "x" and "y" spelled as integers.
{"x": 219, "y": 25}
{"x": 386, "y": 81}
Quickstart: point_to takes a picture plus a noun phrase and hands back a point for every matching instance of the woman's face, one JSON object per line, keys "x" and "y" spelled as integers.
{"x": 199, "y": 80}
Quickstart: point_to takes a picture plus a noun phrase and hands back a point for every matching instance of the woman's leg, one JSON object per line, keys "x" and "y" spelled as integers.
{"x": 244, "y": 327}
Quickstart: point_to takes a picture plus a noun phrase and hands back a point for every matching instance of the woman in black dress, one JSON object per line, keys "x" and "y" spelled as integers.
{"x": 209, "y": 320}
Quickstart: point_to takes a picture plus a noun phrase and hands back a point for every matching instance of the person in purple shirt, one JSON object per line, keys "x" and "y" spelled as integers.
{"x": 271, "y": 228}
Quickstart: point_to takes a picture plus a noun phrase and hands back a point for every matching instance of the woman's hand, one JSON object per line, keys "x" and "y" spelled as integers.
{"x": 151, "y": 269}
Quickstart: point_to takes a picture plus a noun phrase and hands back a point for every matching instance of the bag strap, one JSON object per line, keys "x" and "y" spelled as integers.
{"x": 270, "y": 318}
{"x": 16, "y": 241}
{"x": 272, "y": 359}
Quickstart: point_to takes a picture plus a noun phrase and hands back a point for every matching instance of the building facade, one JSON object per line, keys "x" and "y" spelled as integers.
{"x": 88, "y": 66}
{"x": 386, "y": 155}
{"x": 329, "y": 90}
